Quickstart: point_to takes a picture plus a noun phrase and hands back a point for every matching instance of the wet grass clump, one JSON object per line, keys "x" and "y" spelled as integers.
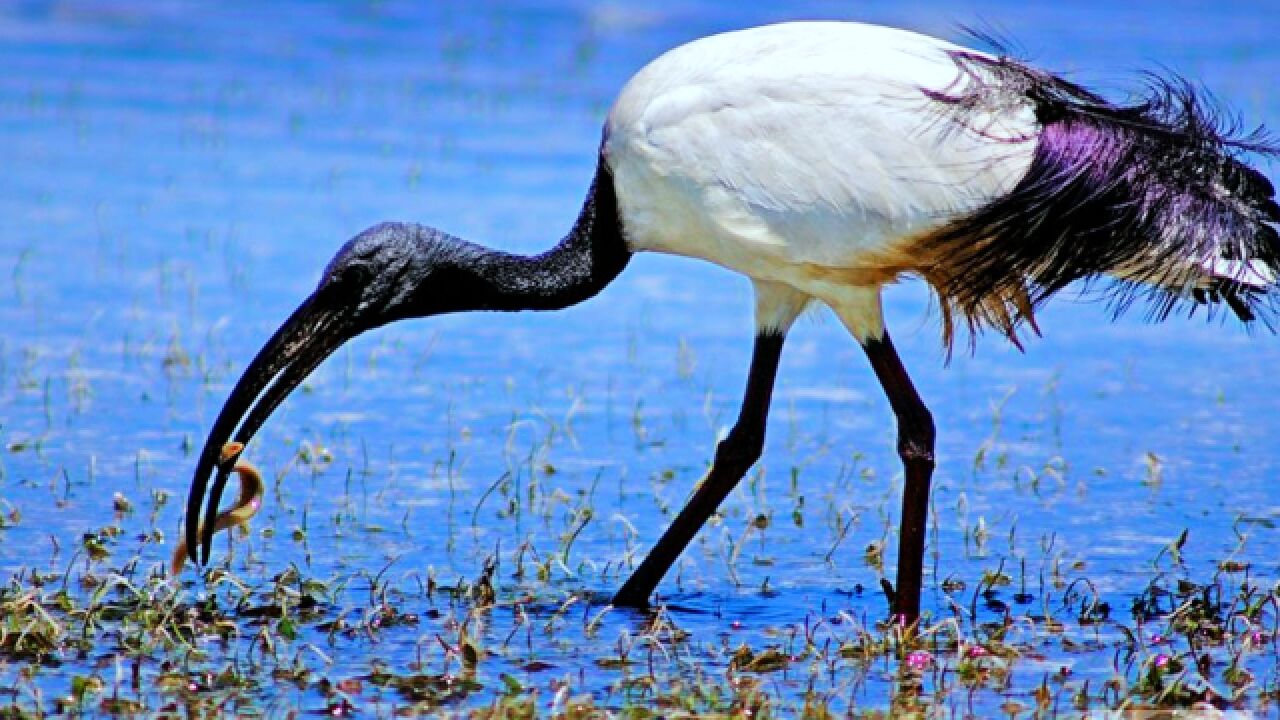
{"x": 119, "y": 638}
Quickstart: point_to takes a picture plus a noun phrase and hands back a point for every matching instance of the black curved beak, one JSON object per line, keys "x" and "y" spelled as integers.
{"x": 315, "y": 330}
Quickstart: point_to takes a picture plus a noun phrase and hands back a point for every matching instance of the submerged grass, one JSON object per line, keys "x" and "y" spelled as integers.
{"x": 109, "y": 634}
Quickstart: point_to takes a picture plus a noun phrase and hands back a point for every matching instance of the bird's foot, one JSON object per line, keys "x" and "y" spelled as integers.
{"x": 631, "y": 600}
{"x": 889, "y": 594}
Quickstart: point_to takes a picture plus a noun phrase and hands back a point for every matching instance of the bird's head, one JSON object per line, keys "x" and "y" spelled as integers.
{"x": 390, "y": 272}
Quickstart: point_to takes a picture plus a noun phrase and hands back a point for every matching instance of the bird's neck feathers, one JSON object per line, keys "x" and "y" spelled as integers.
{"x": 587, "y": 259}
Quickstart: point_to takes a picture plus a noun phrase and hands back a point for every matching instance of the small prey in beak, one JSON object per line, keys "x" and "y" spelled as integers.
{"x": 238, "y": 515}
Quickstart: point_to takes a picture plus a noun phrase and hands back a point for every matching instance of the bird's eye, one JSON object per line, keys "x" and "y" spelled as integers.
{"x": 355, "y": 276}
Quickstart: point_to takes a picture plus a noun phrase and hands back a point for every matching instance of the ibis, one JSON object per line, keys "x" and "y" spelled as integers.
{"x": 824, "y": 161}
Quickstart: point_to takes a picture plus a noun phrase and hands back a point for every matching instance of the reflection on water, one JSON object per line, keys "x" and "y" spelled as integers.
{"x": 177, "y": 175}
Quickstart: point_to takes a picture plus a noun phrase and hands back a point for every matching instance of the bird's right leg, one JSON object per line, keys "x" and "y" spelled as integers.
{"x": 776, "y": 308}
{"x": 861, "y": 313}
{"x": 916, "y": 448}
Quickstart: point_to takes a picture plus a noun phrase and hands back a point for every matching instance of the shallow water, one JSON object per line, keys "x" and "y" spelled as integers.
{"x": 177, "y": 176}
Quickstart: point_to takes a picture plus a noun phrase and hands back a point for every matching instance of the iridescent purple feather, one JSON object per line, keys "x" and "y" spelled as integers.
{"x": 1153, "y": 198}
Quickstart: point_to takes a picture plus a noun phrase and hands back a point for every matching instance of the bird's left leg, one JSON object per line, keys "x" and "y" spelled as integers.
{"x": 861, "y": 314}
{"x": 776, "y": 309}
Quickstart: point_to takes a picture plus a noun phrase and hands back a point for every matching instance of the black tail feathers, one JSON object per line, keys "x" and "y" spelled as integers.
{"x": 1153, "y": 199}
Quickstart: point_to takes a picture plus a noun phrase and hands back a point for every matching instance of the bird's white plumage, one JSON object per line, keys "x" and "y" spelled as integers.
{"x": 793, "y": 153}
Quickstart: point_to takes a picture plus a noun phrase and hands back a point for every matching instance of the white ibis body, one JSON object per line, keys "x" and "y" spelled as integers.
{"x": 823, "y": 161}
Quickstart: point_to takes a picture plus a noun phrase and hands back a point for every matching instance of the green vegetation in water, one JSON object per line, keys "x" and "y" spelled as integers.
{"x": 108, "y": 636}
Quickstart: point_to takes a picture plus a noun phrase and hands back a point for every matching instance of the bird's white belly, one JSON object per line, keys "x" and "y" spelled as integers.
{"x": 803, "y": 247}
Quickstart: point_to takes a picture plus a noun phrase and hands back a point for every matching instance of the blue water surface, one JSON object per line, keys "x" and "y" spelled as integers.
{"x": 176, "y": 175}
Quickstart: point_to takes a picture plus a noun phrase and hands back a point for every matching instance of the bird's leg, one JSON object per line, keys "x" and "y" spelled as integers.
{"x": 915, "y": 447}
{"x": 734, "y": 456}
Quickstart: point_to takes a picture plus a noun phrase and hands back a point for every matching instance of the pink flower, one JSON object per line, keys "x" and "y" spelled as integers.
{"x": 919, "y": 660}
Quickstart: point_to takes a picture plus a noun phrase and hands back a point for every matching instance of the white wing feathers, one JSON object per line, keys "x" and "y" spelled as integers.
{"x": 813, "y": 138}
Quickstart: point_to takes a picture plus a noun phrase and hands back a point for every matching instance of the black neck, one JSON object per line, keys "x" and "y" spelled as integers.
{"x": 579, "y": 267}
